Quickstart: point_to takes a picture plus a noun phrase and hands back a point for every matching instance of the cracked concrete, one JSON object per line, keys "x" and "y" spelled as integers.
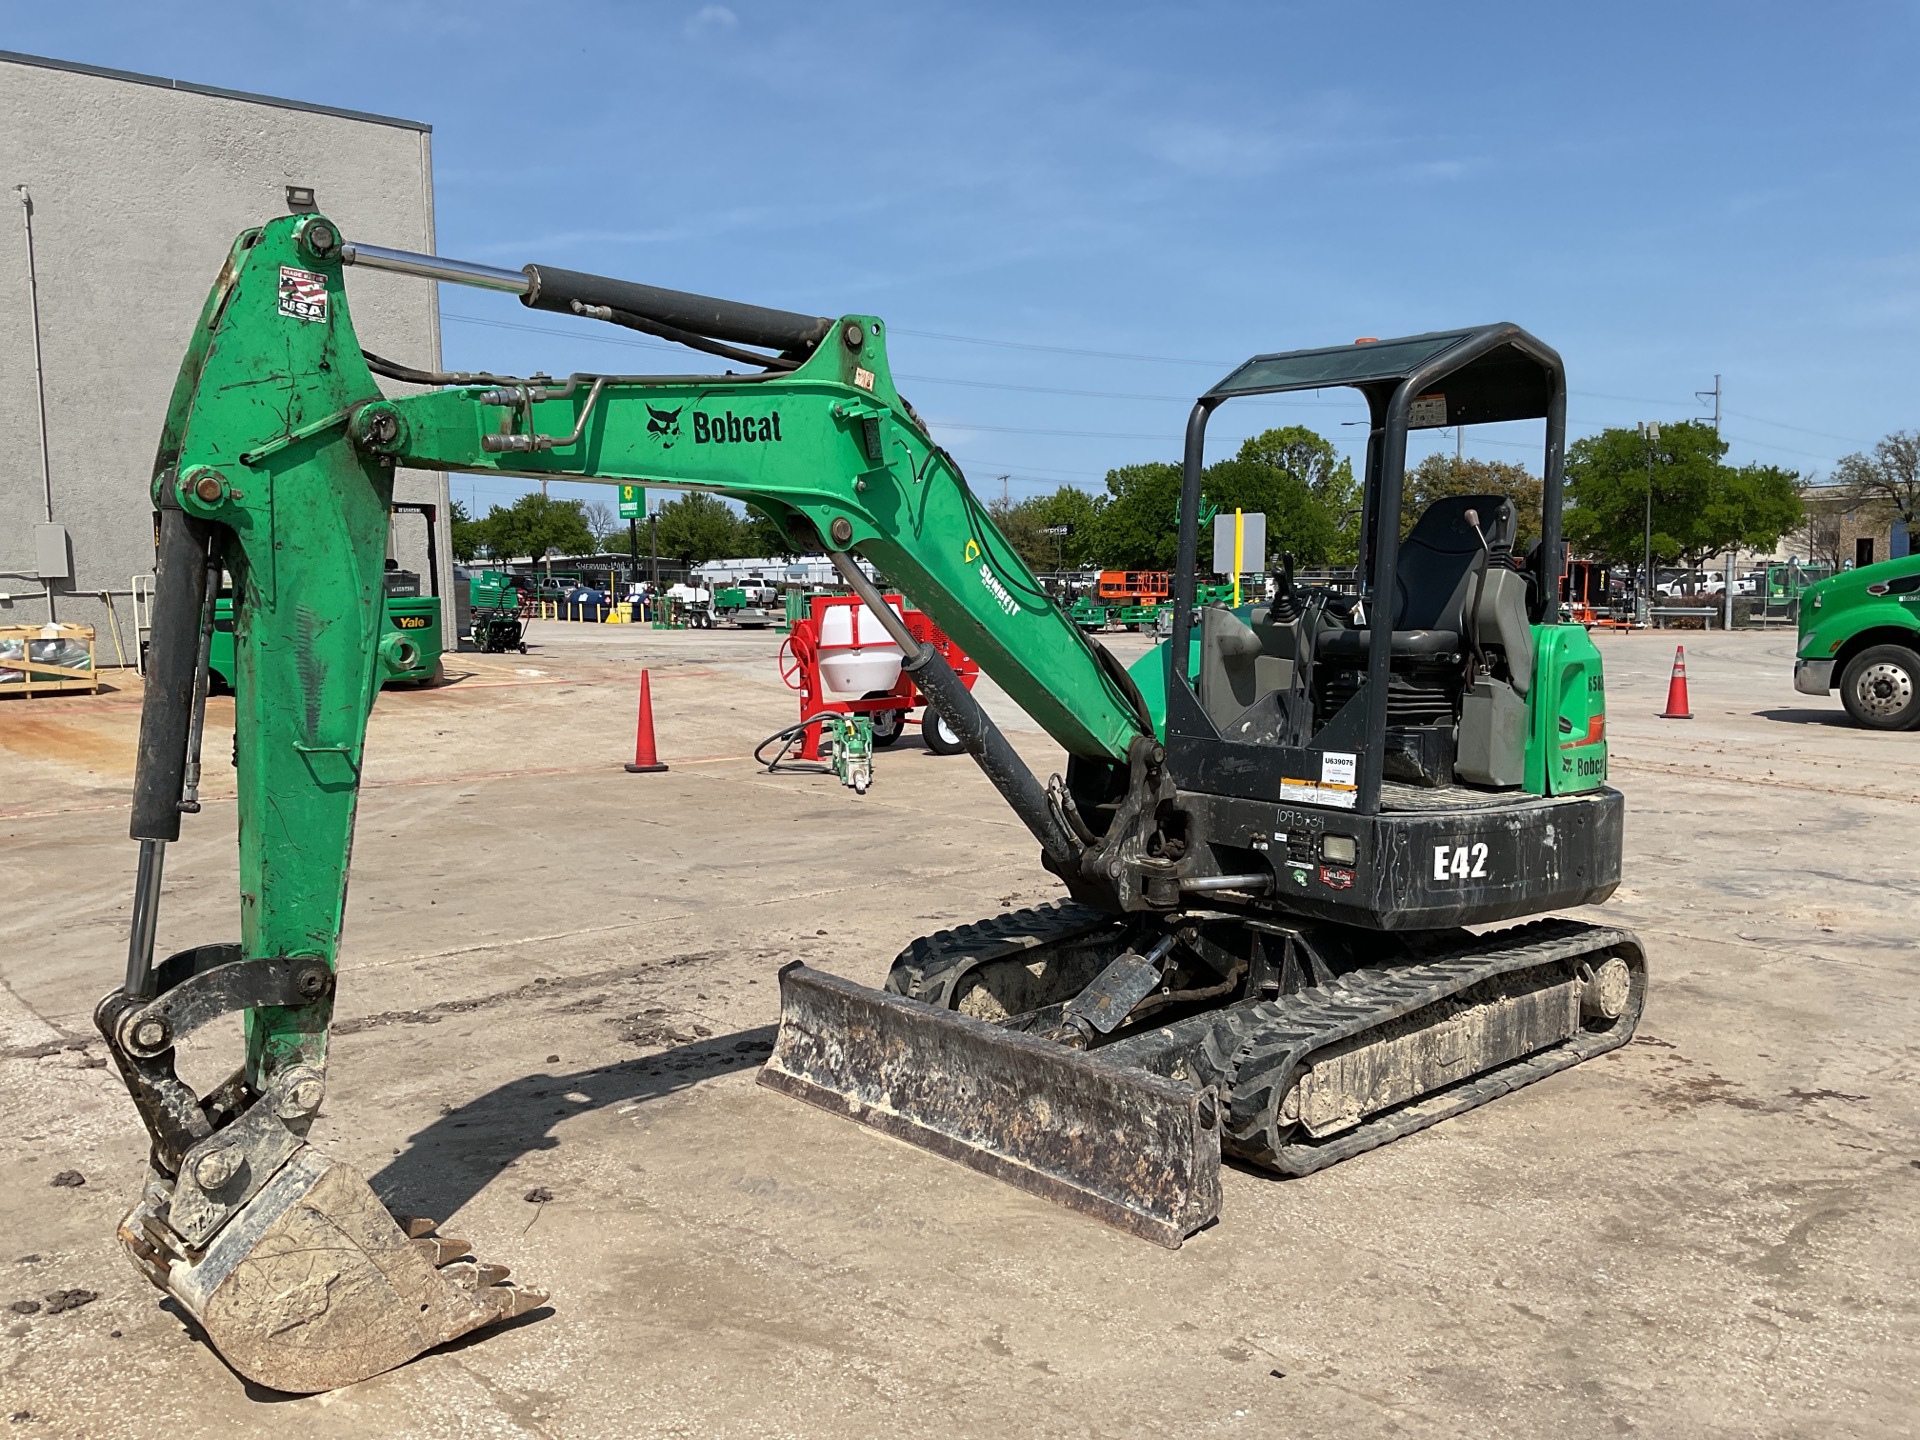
{"x": 559, "y": 979}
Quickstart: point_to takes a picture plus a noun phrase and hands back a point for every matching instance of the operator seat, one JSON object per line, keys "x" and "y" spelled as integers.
{"x": 1433, "y": 581}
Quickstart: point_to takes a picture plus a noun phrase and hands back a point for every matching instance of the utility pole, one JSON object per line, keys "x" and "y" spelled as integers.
{"x": 1459, "y": 446}
{"x": 1650, "y": 433}
{"x": 1003, "y": 493}
{"x": 1714, "y": 394}
{"x": 39, "y": 372}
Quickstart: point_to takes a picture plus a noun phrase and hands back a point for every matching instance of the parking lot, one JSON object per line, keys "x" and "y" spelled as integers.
{"x": 559, "y": 978}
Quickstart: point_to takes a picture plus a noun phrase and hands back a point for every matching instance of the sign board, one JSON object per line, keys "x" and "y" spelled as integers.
{"x": 1427, "y": 411}
{"x": 1252, "y": 546}
{"x": 633, "y": 502}
{"x": 1056, "y": 529}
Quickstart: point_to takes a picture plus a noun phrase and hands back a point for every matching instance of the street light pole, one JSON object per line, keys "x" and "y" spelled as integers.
{"x": 1650, "y": 433}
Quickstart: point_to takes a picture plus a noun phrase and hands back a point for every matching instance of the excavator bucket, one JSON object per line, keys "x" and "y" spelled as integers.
{"x": 313, "y": 1284}
{"x": 1134, "y": 1149}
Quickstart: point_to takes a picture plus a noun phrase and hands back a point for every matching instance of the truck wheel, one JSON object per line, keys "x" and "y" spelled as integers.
{"x": 887, "y": 724}
{"x": 938, "y": 734}
{"x": 1881, "y": 688}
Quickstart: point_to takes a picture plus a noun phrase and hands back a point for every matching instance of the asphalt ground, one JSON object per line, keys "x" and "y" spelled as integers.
{"x": 559, "y": 978}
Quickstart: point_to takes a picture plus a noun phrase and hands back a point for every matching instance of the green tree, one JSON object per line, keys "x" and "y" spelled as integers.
{"x": 1294, "y": 521}
{"x": 1701, "y": 505}
{"x": 1137, "y": 529}
{"x": 1019, "y": 521}
{"x": 1293, "y": 477}
{"x": 535, "y": 524}
{"x": 1026, "y": 525}
{"x": 698, "y": 527}
{"x": 1290, "y": 474}
{"x": 469, "y": 534}
{"x": 1886, "y": 484}
{"x": 1309, "y": 459}
{"x": 1439, "y": 476}
{"x": 1077, "y": 510}
{"x": 759, "y": 537}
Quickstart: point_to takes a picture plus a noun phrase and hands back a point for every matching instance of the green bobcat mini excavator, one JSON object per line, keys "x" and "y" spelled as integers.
{"x": 1274, "y": 832}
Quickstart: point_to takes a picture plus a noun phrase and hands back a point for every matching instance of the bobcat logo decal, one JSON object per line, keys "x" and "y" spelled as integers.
{"x": 665, "y": 424}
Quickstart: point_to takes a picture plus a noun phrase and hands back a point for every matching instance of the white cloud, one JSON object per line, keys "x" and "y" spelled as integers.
{"x": 710, "y": 20}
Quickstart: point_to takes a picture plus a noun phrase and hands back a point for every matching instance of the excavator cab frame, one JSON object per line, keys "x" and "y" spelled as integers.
{"x": 1477, "y": 376}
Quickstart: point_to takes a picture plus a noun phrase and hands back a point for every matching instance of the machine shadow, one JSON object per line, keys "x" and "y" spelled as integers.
{"x": 1806, "y": 717}
{"x": 450, "y": 1161}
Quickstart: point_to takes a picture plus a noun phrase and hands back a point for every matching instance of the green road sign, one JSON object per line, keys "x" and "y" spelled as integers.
{"x": 633, "y": 502}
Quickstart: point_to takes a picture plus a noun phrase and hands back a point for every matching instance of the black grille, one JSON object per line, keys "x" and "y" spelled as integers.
{"x": 1408, "y": 701}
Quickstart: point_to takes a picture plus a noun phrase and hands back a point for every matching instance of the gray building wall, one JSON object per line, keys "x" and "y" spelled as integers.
{"x": 139, "y": 186}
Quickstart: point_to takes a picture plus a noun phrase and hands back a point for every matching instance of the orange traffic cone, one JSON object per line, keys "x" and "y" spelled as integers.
{"x": 1677, "y": 688}
{"x": 645, "y": 760}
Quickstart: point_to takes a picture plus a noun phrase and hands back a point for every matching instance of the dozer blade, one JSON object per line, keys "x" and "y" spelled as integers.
{"x": 312, "y": 1284}
{"x": 1133, "y": 1149}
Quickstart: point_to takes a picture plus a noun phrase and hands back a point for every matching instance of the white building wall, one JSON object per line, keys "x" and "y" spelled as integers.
{"x": 139, "y": 186}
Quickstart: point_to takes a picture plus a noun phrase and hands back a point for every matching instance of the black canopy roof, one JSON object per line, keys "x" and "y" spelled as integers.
{"x": 1511, "y": 381}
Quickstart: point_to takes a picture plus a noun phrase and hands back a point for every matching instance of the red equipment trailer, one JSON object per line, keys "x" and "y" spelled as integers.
{"x": 800, "y": 655}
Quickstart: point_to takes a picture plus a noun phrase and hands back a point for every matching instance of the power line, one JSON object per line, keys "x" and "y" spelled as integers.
{"x": 900, "y": 375}
{"x": 623, "y": 340}
{"x": 1801, "y": 429}
{"x": 1066, "y": 349}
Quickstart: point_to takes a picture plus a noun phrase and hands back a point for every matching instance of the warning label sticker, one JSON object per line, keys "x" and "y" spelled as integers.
{"x": 303, "y": 294}
{"x": 1337, "y": 788}
{"x": 1427, "y": 411}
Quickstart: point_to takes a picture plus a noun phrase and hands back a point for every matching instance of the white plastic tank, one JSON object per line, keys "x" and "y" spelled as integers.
{"x": 874, "y": 661}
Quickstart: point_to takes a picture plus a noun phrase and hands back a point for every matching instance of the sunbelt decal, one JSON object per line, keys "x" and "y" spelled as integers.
{"x": 994, "y": 588}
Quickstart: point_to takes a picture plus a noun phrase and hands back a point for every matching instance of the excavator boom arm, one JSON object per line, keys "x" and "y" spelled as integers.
{"x": 276, "y": 468}
{"x": 839, "y": 464}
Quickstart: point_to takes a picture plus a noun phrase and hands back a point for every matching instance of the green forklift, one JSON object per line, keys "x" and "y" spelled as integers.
{"x": 410, "y": 641}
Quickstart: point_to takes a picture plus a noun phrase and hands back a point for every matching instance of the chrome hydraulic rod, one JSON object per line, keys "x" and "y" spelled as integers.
{"x": 146, "y": 919}
{"x": 435, "y": 267}
{"x": 202, "y": 682}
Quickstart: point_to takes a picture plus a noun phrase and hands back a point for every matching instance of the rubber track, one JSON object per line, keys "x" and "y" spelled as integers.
{"x": 930, "y": 968}
{"x": 1279, "y": 1038}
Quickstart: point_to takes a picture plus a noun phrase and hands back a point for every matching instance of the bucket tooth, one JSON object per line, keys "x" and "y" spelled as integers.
{"x": 1134, "y": 1149}
{"x": 442, "y": 1249}
{"x": 312, "y": 1284}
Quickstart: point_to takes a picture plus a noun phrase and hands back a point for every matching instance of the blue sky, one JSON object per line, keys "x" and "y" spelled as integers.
{"x": 1129, "y": 199}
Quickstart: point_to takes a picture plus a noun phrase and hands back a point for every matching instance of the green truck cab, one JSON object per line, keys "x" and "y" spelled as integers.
{"x": 1860, "y": 632}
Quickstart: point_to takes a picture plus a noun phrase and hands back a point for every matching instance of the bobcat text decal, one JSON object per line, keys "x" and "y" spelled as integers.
{"x": 732, "y": 429}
